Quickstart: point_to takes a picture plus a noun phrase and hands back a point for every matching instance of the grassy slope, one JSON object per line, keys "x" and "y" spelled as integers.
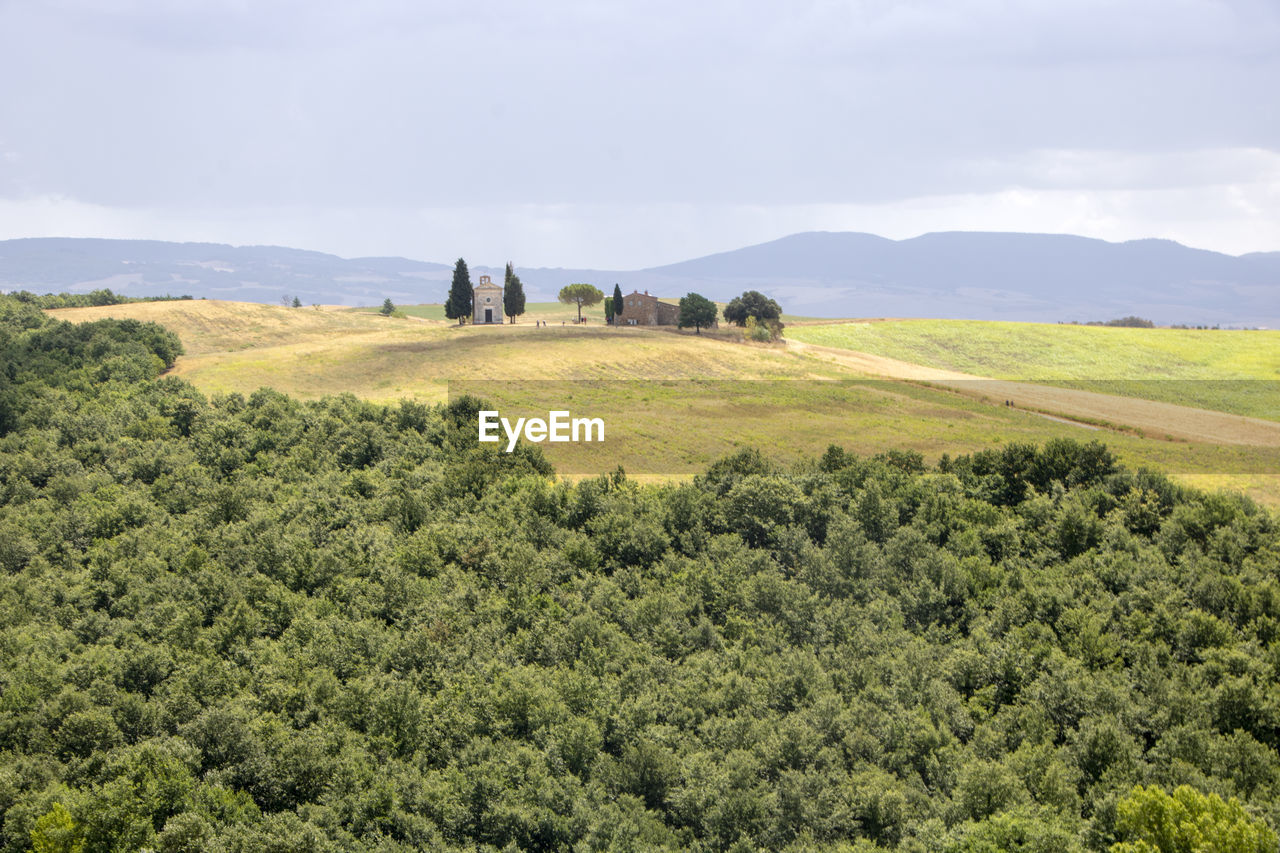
{"x": 214, "y": 326}
{"x": 1209, "y": 369}
{"x": 239, "y": 347}
{"x": 678, "y": 427}
{"x": 664, "y": 428}
{"x": 406, "y": 359}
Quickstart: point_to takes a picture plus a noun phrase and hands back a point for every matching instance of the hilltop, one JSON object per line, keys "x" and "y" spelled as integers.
{"x": 968, "y": 275}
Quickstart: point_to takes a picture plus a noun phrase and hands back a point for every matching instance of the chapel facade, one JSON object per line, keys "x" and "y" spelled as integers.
{"x": 486, "y": 302}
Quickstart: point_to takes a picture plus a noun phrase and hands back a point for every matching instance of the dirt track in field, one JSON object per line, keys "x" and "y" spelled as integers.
{"x": 1153, "y": 419}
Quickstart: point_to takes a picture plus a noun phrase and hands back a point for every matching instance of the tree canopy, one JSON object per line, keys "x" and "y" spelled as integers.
{"x": 753, "y": 303}
{"x": 697, "y": 311}
{"x": 617, "y": 300}
{"x": 581, "y": 295}
{"x": 1152, "y": 821}
{"x": 253, "y": 622}
{"x": 93, "y": 298}
{"x": 512, "y": 294}
{"x": 458, "y": 305}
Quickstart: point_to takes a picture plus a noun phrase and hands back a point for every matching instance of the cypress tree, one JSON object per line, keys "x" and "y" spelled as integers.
{"x": 617, "y": 302}
{"x": 512, "y": 294}
{"x": 458, "y": 305}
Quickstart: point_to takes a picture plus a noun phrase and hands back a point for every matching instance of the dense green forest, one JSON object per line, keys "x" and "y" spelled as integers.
{"x": 267, "y": 625}
{"x": 94, "y": 298}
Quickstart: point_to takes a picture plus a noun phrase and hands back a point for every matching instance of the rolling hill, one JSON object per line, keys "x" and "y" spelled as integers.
{"x": 677, "y": 401}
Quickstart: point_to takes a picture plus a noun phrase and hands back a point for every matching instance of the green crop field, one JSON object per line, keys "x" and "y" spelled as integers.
{"x": 1225, "y": 370}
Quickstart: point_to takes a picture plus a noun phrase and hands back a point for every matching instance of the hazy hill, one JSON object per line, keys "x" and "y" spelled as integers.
{"x": 999, "y": 276}
{"x": 973, "y": 275}
{"x": 212, "y": 270}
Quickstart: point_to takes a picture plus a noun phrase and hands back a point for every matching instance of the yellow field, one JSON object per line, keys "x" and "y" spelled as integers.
{"x": 214, "y": 326}
{"x": 239, "y": 347}
{"x": 673, "y": 427}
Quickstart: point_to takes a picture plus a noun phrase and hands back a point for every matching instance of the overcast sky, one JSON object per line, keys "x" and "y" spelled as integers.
{"x": 627, "y": 134}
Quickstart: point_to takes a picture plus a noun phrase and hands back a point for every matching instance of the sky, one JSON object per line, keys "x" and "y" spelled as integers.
{"x": 622, "y": 135}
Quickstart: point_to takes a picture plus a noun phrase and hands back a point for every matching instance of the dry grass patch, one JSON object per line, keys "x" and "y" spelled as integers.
{"x": 417, "y": 361}
{"x": 212, "y": 326}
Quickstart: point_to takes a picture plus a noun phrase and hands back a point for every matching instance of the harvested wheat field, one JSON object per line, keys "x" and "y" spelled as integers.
{"x": 235, "y": 346}
{"x": 212, "y": 326}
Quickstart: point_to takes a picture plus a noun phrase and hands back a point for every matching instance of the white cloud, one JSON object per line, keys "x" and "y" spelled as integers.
{"x": 1086, "y": 170}
{"x": 627, "y": 134}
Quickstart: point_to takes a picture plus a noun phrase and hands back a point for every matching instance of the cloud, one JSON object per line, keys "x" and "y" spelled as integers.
{"x": 1084, "y": 170}
{"x": 221, "y": 112}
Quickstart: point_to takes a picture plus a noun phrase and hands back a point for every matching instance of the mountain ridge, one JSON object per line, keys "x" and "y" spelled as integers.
{"x": 961, "y": 274}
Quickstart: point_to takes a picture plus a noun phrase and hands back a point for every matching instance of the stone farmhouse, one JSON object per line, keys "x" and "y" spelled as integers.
{"x": 641, "y": 309}
{"x": 486, "y": 302}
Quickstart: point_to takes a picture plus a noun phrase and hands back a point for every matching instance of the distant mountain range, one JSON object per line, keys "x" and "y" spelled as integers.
{"x": 213, "y": 271}
{"x": 997, "y": 276}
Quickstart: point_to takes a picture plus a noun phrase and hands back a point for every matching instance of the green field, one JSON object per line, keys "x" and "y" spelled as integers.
{"x": 678, "y": 427}
{"x": 1225, "y": 370}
